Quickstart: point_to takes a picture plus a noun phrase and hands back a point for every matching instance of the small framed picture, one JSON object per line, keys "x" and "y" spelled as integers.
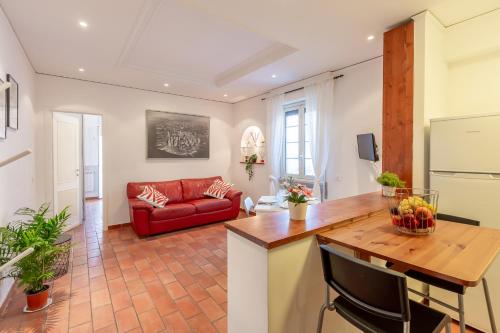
{"x": 3, "y": 114}
{"x": 12, "y": 103}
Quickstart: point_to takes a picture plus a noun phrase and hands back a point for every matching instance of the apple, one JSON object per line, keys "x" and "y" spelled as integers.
{"x": 423, "y": 213}
{"x": 396, "y": 220}
{"x": 410, "y": 222}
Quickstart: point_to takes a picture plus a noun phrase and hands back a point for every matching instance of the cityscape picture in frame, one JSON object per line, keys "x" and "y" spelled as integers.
{"x": 3, "y": 113}
{"x": 176, "y": 135}
{"x": 12, "y": 103}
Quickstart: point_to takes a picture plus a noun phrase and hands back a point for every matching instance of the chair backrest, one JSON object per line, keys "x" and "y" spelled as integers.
{"x": 273, "y": 185}
{"x": 377, "y": 290}
{"x": 249, "y": 206}
{"x": 458, "y": 219}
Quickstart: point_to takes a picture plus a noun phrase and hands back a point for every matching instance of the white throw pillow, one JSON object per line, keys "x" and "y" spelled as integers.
{"x": 153, "y": 197}
{"x": 218, "y": 189}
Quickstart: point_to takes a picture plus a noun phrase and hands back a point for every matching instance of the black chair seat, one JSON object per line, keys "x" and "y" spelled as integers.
{"x": 436, "y": 282}
{"x": 423, "y": 318}
{"x": 433, "y": 281}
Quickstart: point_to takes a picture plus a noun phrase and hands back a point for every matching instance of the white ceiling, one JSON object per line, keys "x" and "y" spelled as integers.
{"x": 207, "y": 49}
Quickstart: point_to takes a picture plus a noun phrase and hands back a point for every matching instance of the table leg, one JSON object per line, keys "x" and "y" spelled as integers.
{"x": 461, "y": 313}
{"x": 490, "y": 308}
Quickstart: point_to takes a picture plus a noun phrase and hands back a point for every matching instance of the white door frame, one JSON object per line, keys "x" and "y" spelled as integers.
{"x": 82, "y": 194}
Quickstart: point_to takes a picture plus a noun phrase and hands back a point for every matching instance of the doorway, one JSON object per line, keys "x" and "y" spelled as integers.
{"x": 77, "y": 162}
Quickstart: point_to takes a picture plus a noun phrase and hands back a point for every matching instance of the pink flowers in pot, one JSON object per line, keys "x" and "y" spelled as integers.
{"x": 298, "y": 193}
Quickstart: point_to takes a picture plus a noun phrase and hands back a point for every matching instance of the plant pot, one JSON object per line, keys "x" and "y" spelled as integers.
{"x": 38, "y": 300}
{"x": 388, "y": 191}
{"x": 297, "y": 211}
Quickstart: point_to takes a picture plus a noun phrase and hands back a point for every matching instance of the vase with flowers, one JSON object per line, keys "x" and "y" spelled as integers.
{"x": 297, "y": 198}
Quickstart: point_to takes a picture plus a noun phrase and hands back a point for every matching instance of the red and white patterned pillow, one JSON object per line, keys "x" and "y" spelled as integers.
{"x": 153, "y": 197}
{"x": 218, "y": 189}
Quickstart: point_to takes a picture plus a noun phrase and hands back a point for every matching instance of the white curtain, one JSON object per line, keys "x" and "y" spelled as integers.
{"x": 319, "y": 107}
{"x": 275, "y": 134}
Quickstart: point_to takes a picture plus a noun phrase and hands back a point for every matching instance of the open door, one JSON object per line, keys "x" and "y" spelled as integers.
{"x": 67, "y": 163}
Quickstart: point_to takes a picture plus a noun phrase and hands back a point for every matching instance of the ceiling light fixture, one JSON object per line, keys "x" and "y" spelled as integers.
{"x": 166, "y": 84}
{"x": 274, "y": 76}
{"x": 83, "y": 24}
{"x": 81, "y": 69}
{"x": 371, "y": 37}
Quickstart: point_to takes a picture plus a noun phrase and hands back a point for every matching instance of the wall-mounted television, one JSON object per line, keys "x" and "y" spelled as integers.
{"x": 367, "y": 148}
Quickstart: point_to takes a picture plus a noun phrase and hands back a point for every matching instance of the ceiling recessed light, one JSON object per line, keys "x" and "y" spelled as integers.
{"x": 83, "y": 24}
{"x": 225, "y": 95}
{"x": 371, "y": 37}
{"x": 166, "y": 84}
{"x": 274, "y": 76}
{"x": 81, "y": 69}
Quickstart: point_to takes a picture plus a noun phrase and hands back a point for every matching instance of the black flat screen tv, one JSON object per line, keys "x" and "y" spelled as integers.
{"x": 367, "y": 148}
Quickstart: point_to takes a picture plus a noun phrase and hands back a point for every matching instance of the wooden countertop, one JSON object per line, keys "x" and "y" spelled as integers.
{"x": 275, "y": 229}
{"x": 455, "y": 252}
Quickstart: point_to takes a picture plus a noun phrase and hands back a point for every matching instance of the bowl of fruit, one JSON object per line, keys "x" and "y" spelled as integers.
{"x": 413, "y": 211}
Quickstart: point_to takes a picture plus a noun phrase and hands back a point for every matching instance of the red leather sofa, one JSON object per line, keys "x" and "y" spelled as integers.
{"x": 187, "y": 206}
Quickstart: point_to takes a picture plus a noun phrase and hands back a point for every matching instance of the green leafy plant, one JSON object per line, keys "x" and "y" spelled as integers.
{"x": 390, "y": 179}
{"x": 38, "y": 232}
{"x": 249, "y": 164}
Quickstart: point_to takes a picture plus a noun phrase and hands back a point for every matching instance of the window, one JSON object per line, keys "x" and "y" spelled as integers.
{"x": 298, "y": 161}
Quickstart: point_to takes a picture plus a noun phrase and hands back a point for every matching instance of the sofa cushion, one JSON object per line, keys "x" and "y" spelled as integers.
{"x": 218, "y": 189}
{"x": 172, "y": 211}
{"x": 210, "y": 205}
{"x": 193, "y": 189}
{"x": 171, "y": 189}
{"x": 153, "y": 197}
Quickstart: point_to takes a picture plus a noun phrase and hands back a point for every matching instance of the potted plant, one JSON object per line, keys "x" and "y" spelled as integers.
{"x": 389, "y": 181}
{"x": 249, "y": 164}
{"x": 38, "y": 233}
{"x": 297, "y": 200}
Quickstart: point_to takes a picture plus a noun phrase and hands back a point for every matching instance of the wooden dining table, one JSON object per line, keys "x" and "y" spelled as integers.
{"x": 455, "y": 252}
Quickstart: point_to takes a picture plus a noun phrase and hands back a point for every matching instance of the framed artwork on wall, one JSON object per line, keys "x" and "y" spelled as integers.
{"x": 3, "y": 114}
{"x": 12, "y": 103}
{"x": 176, "y": 135}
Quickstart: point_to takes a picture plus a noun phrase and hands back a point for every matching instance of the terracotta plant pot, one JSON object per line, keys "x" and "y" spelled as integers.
{"x": 38, "y": 300}
{"x": 388, "y": 191}
{"x": 297, "y": 211}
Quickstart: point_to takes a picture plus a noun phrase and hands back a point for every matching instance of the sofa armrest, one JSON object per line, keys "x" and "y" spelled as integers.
{"x": 139, "y": 204}
{"x": 233, "y": 194}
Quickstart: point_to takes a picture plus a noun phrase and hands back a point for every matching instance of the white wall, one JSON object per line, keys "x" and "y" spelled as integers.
{"x": 358, "y": 109}
{"x": 473, "y": 56}
{"x": 430, "y": 87}
{"x": 17, "y": 182}
{"x": 457, "y": 73}
{"x": 124, "y": 136}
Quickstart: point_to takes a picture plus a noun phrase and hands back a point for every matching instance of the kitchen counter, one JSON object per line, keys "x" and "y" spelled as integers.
{"x": 276, "y": 229}
{"x": 275, "y": 279}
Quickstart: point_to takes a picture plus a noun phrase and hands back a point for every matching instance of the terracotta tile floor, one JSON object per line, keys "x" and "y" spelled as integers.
{"x": 119, "y": 283}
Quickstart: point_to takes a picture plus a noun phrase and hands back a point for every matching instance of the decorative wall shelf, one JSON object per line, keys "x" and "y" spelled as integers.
{"x": 253, "y": 142}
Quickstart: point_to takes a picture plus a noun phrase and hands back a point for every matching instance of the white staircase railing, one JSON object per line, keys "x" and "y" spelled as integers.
{"x": 15, "y": 158}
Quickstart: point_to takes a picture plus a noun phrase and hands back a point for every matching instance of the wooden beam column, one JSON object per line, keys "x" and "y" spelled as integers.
{"x": 397, "y": 138}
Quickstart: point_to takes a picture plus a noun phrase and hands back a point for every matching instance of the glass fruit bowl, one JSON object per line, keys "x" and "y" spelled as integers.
{"x": 413, "y": 211}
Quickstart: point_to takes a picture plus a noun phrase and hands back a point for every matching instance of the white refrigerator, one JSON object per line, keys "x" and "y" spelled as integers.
{"x": 465, "y": 169}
